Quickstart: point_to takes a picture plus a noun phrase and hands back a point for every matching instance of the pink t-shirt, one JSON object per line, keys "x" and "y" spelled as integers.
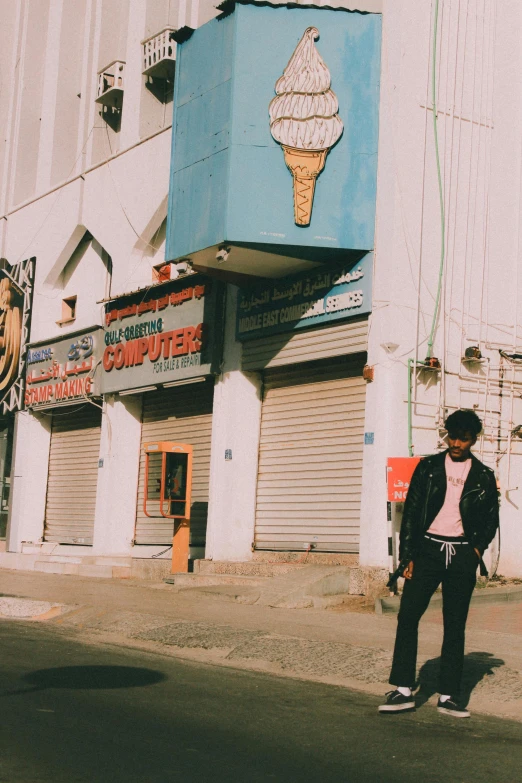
{"x": 448, "y": 521}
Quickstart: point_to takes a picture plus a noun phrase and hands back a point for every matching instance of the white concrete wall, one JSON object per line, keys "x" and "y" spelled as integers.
{"x": 118, "y": 476}
{"x": 90, "y": 202}
{"x": 92, "y": 213}
{"x": 478, "y": 80}
{"x": 28, "y": 479}
{"x": 235, "y": 425}
{"x": 11, "y": 14}
{"x": 70, "y": 173}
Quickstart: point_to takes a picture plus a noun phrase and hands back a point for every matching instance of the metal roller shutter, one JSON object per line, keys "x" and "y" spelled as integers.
{"x": 73, "y": 475}
{"x": 310, "y": 461}
{"x": 183, "y": 415}
{"x": 305, "y": 345}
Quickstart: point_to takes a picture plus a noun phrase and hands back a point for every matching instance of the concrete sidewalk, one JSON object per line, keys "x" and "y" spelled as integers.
{"x": 348, "y": 645}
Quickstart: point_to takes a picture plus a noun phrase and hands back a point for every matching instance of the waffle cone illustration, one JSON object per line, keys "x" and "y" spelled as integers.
{"x": 305, "y": 165}
{"x": 304, "y": 119}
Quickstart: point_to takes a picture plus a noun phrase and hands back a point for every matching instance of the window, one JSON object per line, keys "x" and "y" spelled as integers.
{"x": 68, "y": 310}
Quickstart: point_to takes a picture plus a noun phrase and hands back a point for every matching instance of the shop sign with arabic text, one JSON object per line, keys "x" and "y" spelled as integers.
{"x": 305, "y": 300}
{"x": 65, "y": 370}
{"x": 165, "y": 334}
{"x": 399, "y": 471}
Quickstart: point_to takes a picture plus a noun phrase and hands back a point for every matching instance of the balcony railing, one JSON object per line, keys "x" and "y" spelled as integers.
{"x": 159, "y": 54}
{"x": 111, "y": 84}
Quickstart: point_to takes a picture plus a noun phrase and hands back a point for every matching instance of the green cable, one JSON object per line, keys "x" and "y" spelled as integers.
{"x": 439, "y": 175}
{"x": 411, "y": 363}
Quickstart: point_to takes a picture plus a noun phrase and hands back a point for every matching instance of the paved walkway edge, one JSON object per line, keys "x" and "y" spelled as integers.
{"x": 348, "y": 649}
{"x": 496, "y": 595}
{"x": 232, "y": 659}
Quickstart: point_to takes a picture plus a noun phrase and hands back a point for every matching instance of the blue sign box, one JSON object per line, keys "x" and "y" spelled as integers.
{"x": 305, "y": 301}
{"x": 229, "y": 180}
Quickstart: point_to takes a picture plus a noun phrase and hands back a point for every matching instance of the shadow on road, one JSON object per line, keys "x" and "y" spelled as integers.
{"x": 477, "y": 665}
{"x": 89, "y": 678}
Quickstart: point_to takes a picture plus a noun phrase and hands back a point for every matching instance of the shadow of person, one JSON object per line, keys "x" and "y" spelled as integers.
{"x": 89, "y": 678}
{"x": 477, "y": 665}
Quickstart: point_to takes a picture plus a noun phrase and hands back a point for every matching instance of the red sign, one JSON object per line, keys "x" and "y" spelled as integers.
{"x": 178, "y": 342}
{"x": 151, "y": 305}
{"x": 399, "y": 472}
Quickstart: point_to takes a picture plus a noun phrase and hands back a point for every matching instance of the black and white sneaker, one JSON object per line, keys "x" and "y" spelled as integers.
{"x": 397, "y": 702}
{"x": 451, "y": 707}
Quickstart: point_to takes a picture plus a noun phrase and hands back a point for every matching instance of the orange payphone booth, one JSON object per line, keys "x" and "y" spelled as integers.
{"x": 168, "y": 488}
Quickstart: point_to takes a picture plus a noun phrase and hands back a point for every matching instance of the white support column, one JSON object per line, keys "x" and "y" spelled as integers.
{"x": 235, "y": 428}
{"x": 50, "y": 90}
{"x": 93, "y": 108}
{"x": 386, "y": 419}
{"x": 130, "y": 123}
{"x": 32, "y": 437}
{"x": 115, "y": 513}
{"x": 10, "y": 102}
{"x": 87, "y": 90}
{"x": 13, "y": 120}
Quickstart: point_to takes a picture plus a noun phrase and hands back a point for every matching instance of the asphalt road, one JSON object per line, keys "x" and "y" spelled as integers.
{"x": 82, "y": 713}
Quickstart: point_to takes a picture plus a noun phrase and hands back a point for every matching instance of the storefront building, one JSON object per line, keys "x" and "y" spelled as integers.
{"x": 304, "y": 176}
{"x": 263, "y": 327}
{"x": 307, "y": 337}
{"x": 290, "y": 177}
{"x": 84, "y": 170}
{"x": 163, "y": 347}
{"x": 63, "y": 385}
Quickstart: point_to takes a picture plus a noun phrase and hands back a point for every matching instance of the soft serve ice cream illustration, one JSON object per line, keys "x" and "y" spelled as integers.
{"x": 304, "y": 119}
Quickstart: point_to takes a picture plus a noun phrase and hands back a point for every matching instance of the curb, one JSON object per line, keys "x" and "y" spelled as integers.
{"x": 497, "y": 595}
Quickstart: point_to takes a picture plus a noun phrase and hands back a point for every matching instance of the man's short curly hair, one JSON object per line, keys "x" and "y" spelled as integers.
{"x": 463, "y": 421}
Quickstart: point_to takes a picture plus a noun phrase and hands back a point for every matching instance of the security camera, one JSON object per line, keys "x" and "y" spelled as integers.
{"x": 222, "y": 254}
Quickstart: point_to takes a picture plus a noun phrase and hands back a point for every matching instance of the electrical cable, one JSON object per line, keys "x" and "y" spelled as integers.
{"x": 439, "y": 179}
{"x": 142, "y": 239}
{"x": 478, "y": 182}
{"x": 459, "y": 147}
{"x": 55, "y": 201}
{"x": 468, "y": 278}
{"x": 158, "y": 554}
{"x": 421, "y": 238}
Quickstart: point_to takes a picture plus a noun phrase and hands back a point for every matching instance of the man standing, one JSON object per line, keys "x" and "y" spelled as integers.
{"x": 450, "y": 518}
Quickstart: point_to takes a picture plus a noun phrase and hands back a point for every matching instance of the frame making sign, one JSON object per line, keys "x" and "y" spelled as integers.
{"x": 65, "y": 370}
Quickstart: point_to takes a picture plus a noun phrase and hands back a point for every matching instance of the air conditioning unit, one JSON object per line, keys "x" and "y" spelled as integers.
{"x": 110, "y": 84}
{"x": 159, "y": 55}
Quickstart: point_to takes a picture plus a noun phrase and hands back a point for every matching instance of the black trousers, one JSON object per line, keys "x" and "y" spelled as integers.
{"x": 452, "y": 562}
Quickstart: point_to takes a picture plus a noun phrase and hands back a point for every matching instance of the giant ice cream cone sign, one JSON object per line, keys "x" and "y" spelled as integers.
{"x": 304, "y": 119}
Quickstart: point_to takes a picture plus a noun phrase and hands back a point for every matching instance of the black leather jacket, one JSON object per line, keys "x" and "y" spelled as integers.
{"x": 478, "y": 506}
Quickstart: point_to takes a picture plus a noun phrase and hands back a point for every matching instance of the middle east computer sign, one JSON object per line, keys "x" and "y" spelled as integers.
{"x": 306, "y": 300}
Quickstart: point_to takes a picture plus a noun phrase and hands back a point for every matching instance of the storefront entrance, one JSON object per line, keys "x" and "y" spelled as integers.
{"x": 310, "y": 460}
{"x": 181, "y": 414}
{"x": 73, "y": 474}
